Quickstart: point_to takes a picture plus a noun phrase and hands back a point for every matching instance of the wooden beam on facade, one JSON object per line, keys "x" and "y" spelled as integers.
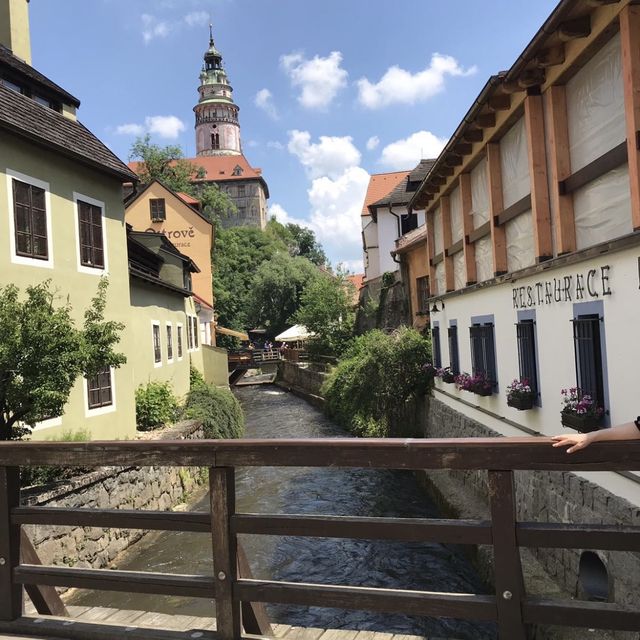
{"x": 499, "y": 102}
{"x": 471, "y": 134}
{"x": 498, "y": 239}
{"x": 462, "y": 148}
{"x": 438, "y": 181}
{"x": 531, "y": 78}
{"x": 560, "y": 165}
{"x": 511, "y": 87}
{"x": 572, "y": 29}
{"x": 550, "y": 57}
{"x": 453, "y": 160}
{"x": 431, "y": 253}
{"x": 629, "y": 35}
{"x": 486, "y": 120}
{"x": 534, "y": 120}
{"x": 467, "y": 226}
{"x": 445, "y": 208}
{"x": 446, "y": 170}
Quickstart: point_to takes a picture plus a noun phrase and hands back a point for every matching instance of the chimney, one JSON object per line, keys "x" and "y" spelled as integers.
{"x": 14, "y": 28}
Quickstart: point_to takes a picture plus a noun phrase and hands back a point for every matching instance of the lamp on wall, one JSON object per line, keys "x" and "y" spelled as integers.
{"x": 434, "y": 308}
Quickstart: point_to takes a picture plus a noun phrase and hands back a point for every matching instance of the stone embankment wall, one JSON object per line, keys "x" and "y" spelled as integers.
{"x": 304, "y": 379}
{"x": 383, "y": 304}
{"x": 153, "y": 488}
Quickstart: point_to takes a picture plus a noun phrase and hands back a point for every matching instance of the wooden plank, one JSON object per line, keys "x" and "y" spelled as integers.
{"x": 560, "y": 164}
{"x": 608, "y": 161}
{"x": 255, "y": 618}
{"x": 45, "y": 599}
{"x": 445, "y": 218}
{"x": 467, "y": 226}
{"x": 509, "y": 582}
{"x": 194, "y": 586}
{"x": 10, "y": 591}
{"x": 303, "y": 633}
{"x": 113, "y": 518}
{"x": 578, "y": 536}
{"x": 455, "y": 248}
{"x": 575, "y": 613}
{"x": 406, "y": 529}
{"x": 420, "y": 603}
{"x": 222, "y": 495}
{"x": 541, "y": 212}
{"x": 480, "y": 232}
{"x": 339, "y": 634}
{"x": 498, "y": 239}
{"x": 431, "y": 253}
{"x": 629, "y": 38}
{"x": 517, "y": 208}
{"x": 381, "y": 453}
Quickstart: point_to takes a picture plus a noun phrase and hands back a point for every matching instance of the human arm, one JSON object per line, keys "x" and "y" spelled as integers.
{"x": 577, "y": 441}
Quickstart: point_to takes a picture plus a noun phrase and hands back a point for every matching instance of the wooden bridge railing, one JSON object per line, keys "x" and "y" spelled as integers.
{"x": 510, "y": 607}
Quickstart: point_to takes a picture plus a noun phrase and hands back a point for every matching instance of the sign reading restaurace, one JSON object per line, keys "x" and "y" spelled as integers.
{"x": 572, "y": 288}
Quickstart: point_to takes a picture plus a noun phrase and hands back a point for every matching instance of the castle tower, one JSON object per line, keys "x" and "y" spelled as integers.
{"x": 217, "y": 126}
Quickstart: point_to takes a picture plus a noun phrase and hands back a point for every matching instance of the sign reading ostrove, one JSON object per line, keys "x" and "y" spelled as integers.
{"x": 177, "y": 237}
{"x": 588, "y": 285}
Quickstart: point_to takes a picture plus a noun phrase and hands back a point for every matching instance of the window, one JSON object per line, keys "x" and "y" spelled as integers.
{"x": 179, "y": 336}
{"x": 242, "y": 212}
{"x": 195, "y": 332}
{"x": 408, "y": 222}
{"x": 189, "y": 334}
{"x": 422, "y": 287}
{"x": 241, "y": 192}
{"x": 90, "y": 231}
{"x": 588, "y": 355}
{"x": 215, "y": 140}
{"x": 157, "y": 209}
{"x": 483, "y": 354}
{"x": 157, "y": 349}
{"x": 30, "y": 221}
{"x": 435, "y": 345}
{"x": 169, "y": 342}
{"x": 526, "y": 336}
{"x": 99, "y": 392}
{"x": 454, "y": 354}
{"x": 237, "y": 170}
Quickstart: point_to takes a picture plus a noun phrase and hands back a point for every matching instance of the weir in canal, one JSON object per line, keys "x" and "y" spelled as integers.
{"x": 273, "y": 413}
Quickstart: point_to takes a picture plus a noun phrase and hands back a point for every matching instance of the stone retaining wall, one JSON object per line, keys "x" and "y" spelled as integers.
{"x": 304, "y": 378}
{"x": 153, "y": 488}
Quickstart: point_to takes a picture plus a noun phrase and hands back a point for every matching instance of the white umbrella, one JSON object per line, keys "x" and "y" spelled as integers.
{"x": 292, "y": 334}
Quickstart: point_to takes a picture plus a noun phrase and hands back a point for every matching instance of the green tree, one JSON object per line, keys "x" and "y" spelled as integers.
{"x": 300, "y": 241}
{"x": 277, "y": 289}
{"x": 327, "y": 311}
{"x": 169, "y": 166}
{"x": 42, "y": 353}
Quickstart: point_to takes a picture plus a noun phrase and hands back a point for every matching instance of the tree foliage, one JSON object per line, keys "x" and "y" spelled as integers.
{"x": 376, "y": 378}
{"x": 277, "y": 289}
{"x": 42, "y": 353}
{"x": 300, "y": 241}
{"x": 327, "y": 311}
{"x": 169, "y": 166}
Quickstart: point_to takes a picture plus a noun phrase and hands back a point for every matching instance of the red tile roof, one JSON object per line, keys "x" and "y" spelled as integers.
{"x": 380, "y": 185}
{"x": 356, "y": 280}
{"x": 185, "y": 197}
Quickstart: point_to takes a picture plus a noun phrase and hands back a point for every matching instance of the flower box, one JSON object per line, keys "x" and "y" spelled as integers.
{"x": 582, "y": 423}
{"x": 449, "y": 378}
{"x": 521, "y": 403}
{"x": 482, "y": 390}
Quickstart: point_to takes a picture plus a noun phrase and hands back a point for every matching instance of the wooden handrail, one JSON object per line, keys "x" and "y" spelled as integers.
{"x": 234, "y": 589}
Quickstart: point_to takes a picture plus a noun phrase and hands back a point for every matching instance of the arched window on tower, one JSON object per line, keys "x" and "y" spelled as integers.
{"x": 215, "y": 140}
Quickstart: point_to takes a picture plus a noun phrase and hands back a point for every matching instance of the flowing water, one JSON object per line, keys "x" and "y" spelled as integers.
{"x": 272, "y": 413}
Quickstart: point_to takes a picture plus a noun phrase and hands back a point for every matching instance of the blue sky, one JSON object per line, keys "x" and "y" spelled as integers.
{"x": 329, "y": 91}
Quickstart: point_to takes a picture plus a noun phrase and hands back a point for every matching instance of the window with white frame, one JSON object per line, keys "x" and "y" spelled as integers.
{"x": 169, "y": 342}
{"x": 99, "y": 389}
{"x": 157, "y": 344}
{"x": 179, "y": 340}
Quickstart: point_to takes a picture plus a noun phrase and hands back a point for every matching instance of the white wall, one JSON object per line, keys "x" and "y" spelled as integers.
{"x": 371, "y": 256}
{"x": 387, "y": 236}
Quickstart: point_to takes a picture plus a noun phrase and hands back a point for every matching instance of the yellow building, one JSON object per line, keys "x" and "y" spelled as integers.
{"x": 61, "y": 191}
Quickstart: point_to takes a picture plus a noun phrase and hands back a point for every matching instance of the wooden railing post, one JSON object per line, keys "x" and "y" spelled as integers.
{"x": 222, "y": 499}
{"x": 10, "y": 591}
{"x": 507, "y": 566}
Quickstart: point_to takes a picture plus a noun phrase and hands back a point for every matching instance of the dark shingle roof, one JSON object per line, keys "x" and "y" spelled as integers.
{"x": 404, "y": 190}
{"x": 420, "y": 172}
{"x": 26, "y": 118}
{"x": 21, "y": 68}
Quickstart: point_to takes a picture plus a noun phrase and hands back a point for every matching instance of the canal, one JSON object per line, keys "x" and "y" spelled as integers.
{"x": 273, "y": 413}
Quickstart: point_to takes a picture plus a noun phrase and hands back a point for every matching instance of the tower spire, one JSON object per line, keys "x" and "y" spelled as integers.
{"x": 210, "y": 33}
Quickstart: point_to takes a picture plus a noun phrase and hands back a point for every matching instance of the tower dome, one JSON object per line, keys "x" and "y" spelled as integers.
{"x": 217, "y": 126}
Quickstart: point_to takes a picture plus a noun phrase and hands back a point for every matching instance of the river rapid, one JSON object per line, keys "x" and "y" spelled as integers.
{"x": 274, "y": 413}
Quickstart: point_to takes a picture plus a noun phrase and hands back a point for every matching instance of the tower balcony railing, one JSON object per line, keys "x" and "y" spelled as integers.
{"x": 510, "y": 607}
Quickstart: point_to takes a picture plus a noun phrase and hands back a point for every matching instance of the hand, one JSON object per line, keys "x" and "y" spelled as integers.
{"x": 575, "y": 442}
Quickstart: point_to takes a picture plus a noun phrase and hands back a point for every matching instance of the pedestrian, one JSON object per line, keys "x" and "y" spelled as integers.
{"x": 577, "y": 441}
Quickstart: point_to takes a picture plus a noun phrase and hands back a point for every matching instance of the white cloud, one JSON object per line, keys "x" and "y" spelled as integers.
{"x": 165, "y": 126}
{"x": 398, "y": 86}
{"x": 329, "y": 157}
{"x": 282, "y": 216}
{"x": 169, "y": 127}
{"x": 152, "y": 28}
{"x": 353, "y": 266}
{"x": 406, "y": 153}
{"x": 275, "y": 144}
{"x": 264, "y": 101}
{"x": 373, "y": 142}
{"x": 320, "y": 79}
{"x": 196, "y": 18}
{"x": 131, "y": 129}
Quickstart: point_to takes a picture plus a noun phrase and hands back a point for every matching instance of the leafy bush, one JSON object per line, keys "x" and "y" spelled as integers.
{"x": 378, "y": 375}
{"x": 156, "y": 405}
{"x": 218, "y": 409}
{"x": 30, "y": 476}
{"x": 195, "y": 378}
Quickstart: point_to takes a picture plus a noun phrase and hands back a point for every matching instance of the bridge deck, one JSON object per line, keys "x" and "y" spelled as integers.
{"x": 144, "y": 625}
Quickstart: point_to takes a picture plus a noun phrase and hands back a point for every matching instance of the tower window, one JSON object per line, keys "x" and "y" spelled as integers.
{"x": 215, "y": 140}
